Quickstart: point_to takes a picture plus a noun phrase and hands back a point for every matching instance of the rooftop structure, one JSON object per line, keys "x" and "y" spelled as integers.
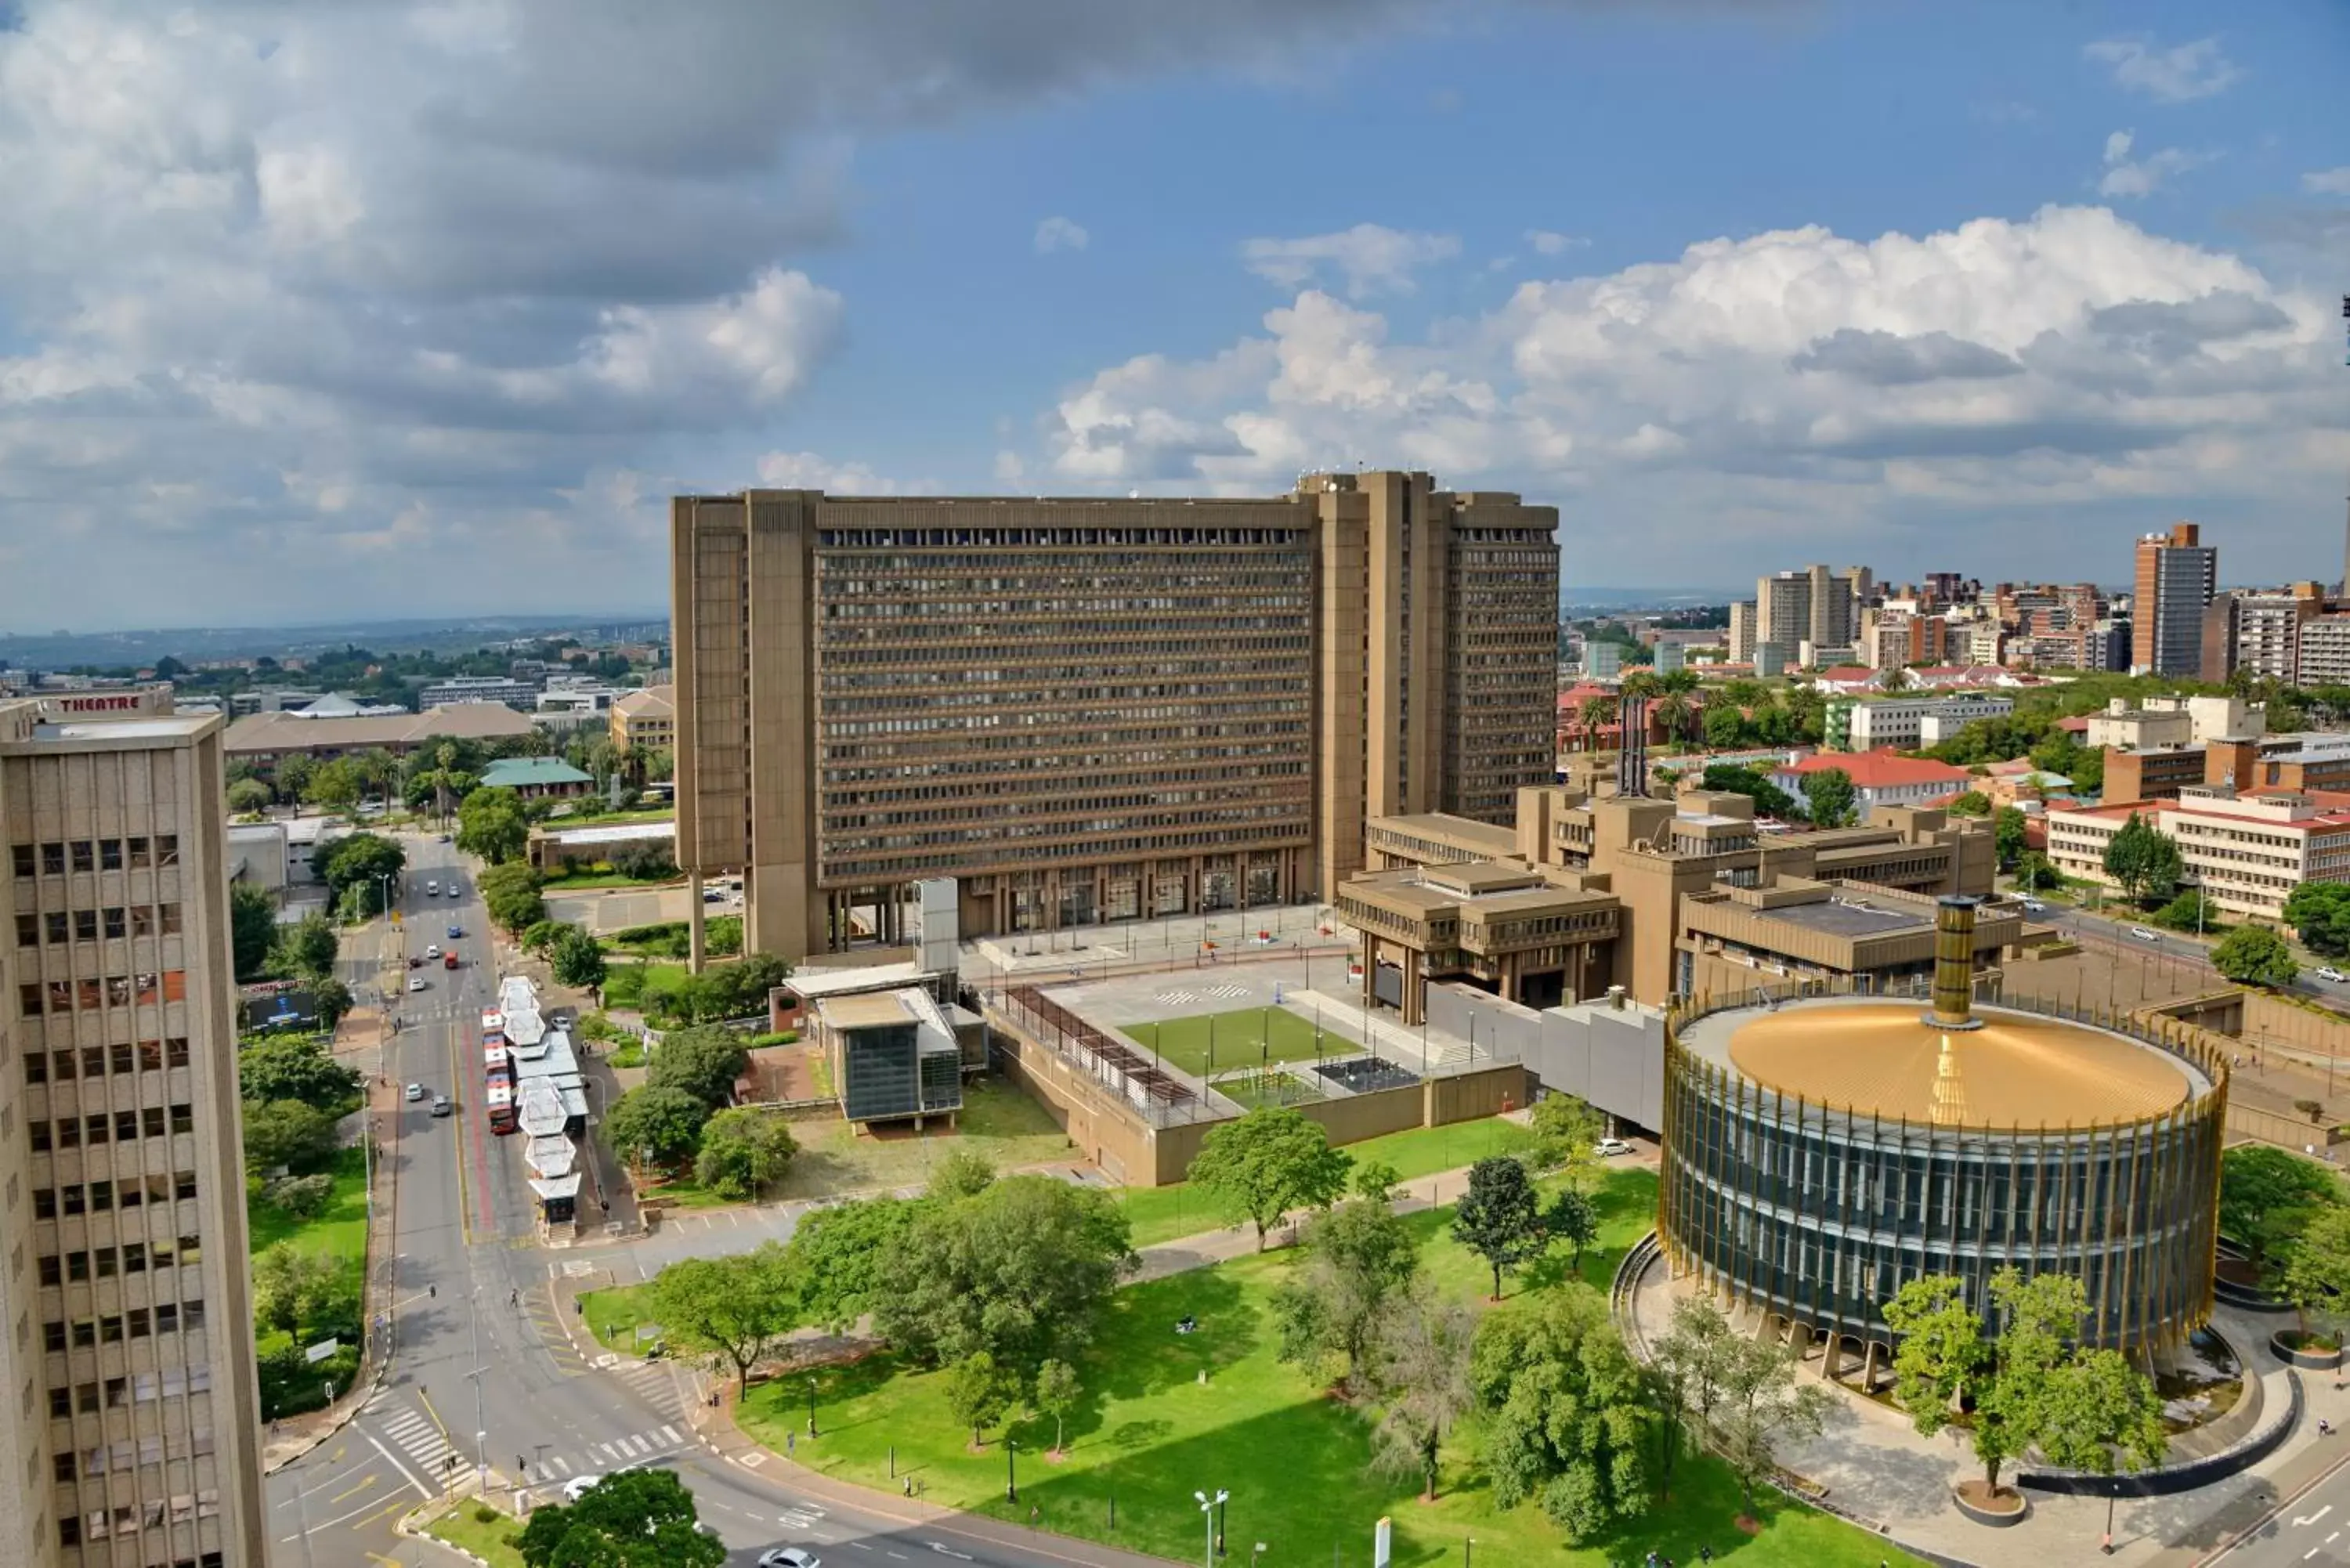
{"x": 533, "y": 777}
{"x": 261, "y": 739}
{"x": 893, "y": 1054}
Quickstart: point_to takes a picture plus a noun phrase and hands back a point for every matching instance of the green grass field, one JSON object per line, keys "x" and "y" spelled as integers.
{"x": 1249, "y": 1037}
{"x": 612, "y": 1316}
{"x": 461, "y": 1529}
{"x": 1150, "y": 1431}
{"x": 339, "y": 1230}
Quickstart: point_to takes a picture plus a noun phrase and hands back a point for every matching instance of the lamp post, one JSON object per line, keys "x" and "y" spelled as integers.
{"x": 1011, "y": 1471}
{"x": 811, "y": 1389}
{"x": 1208, "y": 1506}
{"x": 2107, "y": 1546}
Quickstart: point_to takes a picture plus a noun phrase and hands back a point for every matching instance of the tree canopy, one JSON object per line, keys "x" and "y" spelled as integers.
{"x": 1567, "y": 1413}
{"x": 306, "y": 949}
{"x": 288, "y": 1133}
{"x": 296, "y": 1067}
{"x": 1500, "y": 1217}
{"x": 632, "y": 1518}
{"x": 2142, "y": 861}
{"x": 491, "y": 823}
{"x": 737, "y": 1308}
{"x": 744, "y": 1151}
{"x": 1356, "y": 1262}
{"x": 2320, "y": 911}
{"x": 2269, "y": 1195}
{"x": 2254, "y": 955}
{"x": 1265, "y": 1163}
{"x": 512, "y": 895}
{"x": 704, "y": 1061}
{"x": 577, "y": 959}
{"x": 1830, "y": 798}
{"x": 252, "y": 929}
{"x": 657, "y": 1125}
{"x": 838, "y": 1250}
{"x": 354, "y": 867}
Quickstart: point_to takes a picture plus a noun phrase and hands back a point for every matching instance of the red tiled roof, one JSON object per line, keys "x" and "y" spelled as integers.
{"x": 1880, "y": 770}
{"x": 2078, "y": 724}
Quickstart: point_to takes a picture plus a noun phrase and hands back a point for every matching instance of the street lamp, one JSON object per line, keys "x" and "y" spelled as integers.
{"x": 1208, "y": 1507}
{"x": 1011, "y": 1475}
{"x": 811, "y": 1389}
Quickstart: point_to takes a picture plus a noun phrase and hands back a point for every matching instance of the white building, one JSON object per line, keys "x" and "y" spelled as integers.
{"x": 1899, "y": 722}
{"x": 2248, "y": 853}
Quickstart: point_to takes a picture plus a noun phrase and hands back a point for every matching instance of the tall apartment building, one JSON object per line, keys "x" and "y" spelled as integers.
{"x": 2265, "y": 630}
{"x": 1087, "y": 709}
{"x": 1740, "y": 649}
{"x": 2176, "y": 577}
{"x": 1814, "y": 604}
{"x": 2322, "y": 656}
{"x": 129, "y": 1407}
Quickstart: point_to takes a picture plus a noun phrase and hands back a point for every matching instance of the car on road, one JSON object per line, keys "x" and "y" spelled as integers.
{"x": 578, "y": 1486}
{"x": 433, "y": 951}
{"x": 455, "y": 891}
{"x": 416, "y": 982}
{"x": 1611, "y": 1145}
{"x": 415, "y": 1093}
{"x": 2035, "y": 906}
{"x": 713, "y": 896}
{"x": 431, "y": 887}
{"x": 788, "y": 1557}
{"x": 2327, "y": 972}
{"x": 442, "y": 1106}
{"x": 2142, "y": 934}
{"x": 456, "y": 931}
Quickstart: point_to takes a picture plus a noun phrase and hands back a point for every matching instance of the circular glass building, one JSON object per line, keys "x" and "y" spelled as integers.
{"x": 1823, "y": 1152}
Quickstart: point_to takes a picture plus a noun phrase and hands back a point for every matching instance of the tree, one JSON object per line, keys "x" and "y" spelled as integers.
{"x": 1058, "y": 1394}
{"x": 248, "y": 795}
{"x": 2033, "y": 872}
{"x": 1565, "y": 1138}
{"x": 2320, "y": 911}
{"x": 744, "y": 1151}
{"x": 2094, "y": 1404}
{"x": 658, "y": 1126}
{"x": 1691, "y": 1367}
{"x": 295, "y": 1067}
{"x": 632, "y": 1518}
{"x": 334, "y": 786}
{"x": 2007, "y": 834}
{"x": 541, "y": 936}
{"x": 292, "y": 1288}
{"x": 1598, "y": 712}
{"x": 1358, "y": 1259}
{"x": 2192, "y": 910}
{"x": 1377, "y": 1181}
{"x": 1266, "y": 1163}
{"x": 2317, "y": 1269}
{"x": 252, "y": 929}
{"x": 2267, "y": 1196}
{"x": 704, "y": 1061}
{"x": 286, "y": 1133}
{"x": 1566, "y": 1412}
{"x": 961, "y": 1174}
{"x": 1574, "y": 1218}
{"x": 1973, "y": 802}
{"x": 2142, "y": 861}
{"x": 577, "y": 960}
{"x": 2255, "y": 955}
{"x": 511, "y": 894}
{"x": 307, "y": 949}
{"x": 354, "y": 868}
{"x": 979, "y": 1393}
{"x": 1763, "y": 1406}
{"x": 294, "y": 775}
{"x": 1769, "y": 799}
{"x": 1829, "y": 797}
{"x": 332, "y": 999}
{"x": 1018, "y": 1270}
{"x": 1422, "y": 1376}
{"x": 491, "y": 823}
{"x": 735, "y": 1308}
{"x": 837, "y": 1250}
{"x": 1499, "y": 1217}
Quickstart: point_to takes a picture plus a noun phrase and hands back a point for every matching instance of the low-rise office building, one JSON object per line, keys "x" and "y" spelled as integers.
{"x": 458, "y": 688}
{"x": 1733, "y": 940}
{"x": 644, "y": 721}
{"x": 2175, "y": 721}
{"x": 1898, "y": 722}
{"x": 536, "y": 778}
{"x": 2247, "y": 852}
{"x": 893, "y": 1054}
{"x": 1880, "y": 779}
{"x": 264, "y": 739}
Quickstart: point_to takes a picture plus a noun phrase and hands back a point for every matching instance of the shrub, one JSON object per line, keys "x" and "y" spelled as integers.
{"x": 303, "y": 1196}
{"x": 780, "y": 1037}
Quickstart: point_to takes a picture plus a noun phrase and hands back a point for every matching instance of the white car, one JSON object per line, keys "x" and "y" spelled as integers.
{"x": 415, "y": 1093}
{"x": 455, "y": 891}
{"x": 430, "y": 888}
{"x": 1611, "y": 1145}
{"x": 433, "y": 951}
{"x": 576, "y": 1487}
{"x": 788, "y": 1557}
{"x": 416, "y": 982}
{"x": 2327, "y": 972}
{"x": 2035, "y": 906}
{"x": 2142, "y": 934}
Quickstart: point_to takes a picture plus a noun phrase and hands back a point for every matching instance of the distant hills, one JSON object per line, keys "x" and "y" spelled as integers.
{"x": 191, "y": 645}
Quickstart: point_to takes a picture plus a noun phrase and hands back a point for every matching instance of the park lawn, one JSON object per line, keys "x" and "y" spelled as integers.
{"x": 997, "y": 1122}
{"x": 341, "y": 1227}
{"x": 1150, "y": 1431}
{"x": 460, "y": 1529}
{"x": 683, "y": 1191}
{"x": 612, "y": 1316}
{"x": 1170, "y": 1212}
{"x": 632, "y": 985}
{"x": 1246, "y": 1037}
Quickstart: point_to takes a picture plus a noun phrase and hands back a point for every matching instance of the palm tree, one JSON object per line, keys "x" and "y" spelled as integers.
{"x": 1596, "y": 711}
{"x": 1896, "y": 679}
{"x": 1673, "y": 704}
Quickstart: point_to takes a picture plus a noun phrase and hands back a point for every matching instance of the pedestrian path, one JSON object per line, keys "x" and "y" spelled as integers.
{"x": 417, "y": 1436}
{"x": 624, "y": 1452}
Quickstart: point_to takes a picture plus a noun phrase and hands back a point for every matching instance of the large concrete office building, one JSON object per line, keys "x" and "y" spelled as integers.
{"x": 2175, "y": 577}
{"x": 1093, "y": 710}
{"x": 130, "y": 1428}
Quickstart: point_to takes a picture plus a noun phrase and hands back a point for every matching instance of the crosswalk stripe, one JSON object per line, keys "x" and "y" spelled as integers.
{"x": 670, "y": 1433}
{"x": 562, "y": 1466}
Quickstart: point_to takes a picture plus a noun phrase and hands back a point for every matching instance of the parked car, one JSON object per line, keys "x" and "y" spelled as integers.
{"x": 2035, "y": 906}
{"x": 1611, "y": 1145}
{"x": 788, "y": 1557}
{"x": 442, "y": 1106}
{"x": 415, "y": 1093}
{"x": 2142, "y": 934}
{"x": 2327, "y": 972}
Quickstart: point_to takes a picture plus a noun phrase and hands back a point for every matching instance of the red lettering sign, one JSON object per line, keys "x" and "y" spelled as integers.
{"x": 97, "y": 704}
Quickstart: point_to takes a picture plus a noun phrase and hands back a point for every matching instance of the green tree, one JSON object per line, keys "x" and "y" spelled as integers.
{"x": 512, "y": 895}
{"x": 2088, "y": 771}
{"x": 491, "y": 823}
{"x": 2255, "y": 955}
{"x": 1422, "y": 1376}
{"x": 658, "y": 1126}
{"x": 334, "y": 786}
{"x": 2317, "y": 1270}
{"x": 837, "y": 1250}
{"x": 2320, "y": 911}
{"x": 1377, "y": 1181}
{"x": 1058, "y": 1394}
{"x": 634, "y": 1519}
{"x": 744, "y": 1151}
{"x": 1566, "y": 1412}
{"x": 252, "y": 929}
{"x": 2267, "y": 1196}
{"x": 1565, "y": 1138}
{"x": 1724, "y": 727}
{"x": 1356, "y": 1262}
{"x": 961, "y": 1174}
{"x": 1499, "y": 1218}
{"x": 1019, "y": 1269}
{"x": 2093, "y": 1405}
{"x": 1830, "y": 799}
{"x": 293, "y": 774}
{"x": 1763, "y": 1405}
{"x": 1973, "y": 802}
{"x": 248, "y": 795}
{"x": 1769, "y": 799}
{"x": 295, "y": 1067}
{"x": 541, "y": 936}
{"x": 2033, "y": 872}
{"x": 979, "y": 1393}
{"x": 2192, "y": 910}
{"x": 2007, "y": 834}
{"x": 354, "y": 867}
{"x": 1574, "y": 1218}
{"x": 2142, "y": 861}
{"x": 333, "y": 1000}
{"x": 577, "y": 960}
{"x": 737, "y": 1308}
{"x": 704, "y": 1061}
{"x": 292, "y": 1288}
{"x": 1691, "y": 1367}
{"x": 1266, "y": 1163}
{"x": 288, "y": 1133}
{"x": 307, "y": 949}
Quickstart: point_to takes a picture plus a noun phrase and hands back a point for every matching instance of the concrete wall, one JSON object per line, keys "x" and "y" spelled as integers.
{"x": 1506, "y": 1028}
{"x": 1612, "y": 1058}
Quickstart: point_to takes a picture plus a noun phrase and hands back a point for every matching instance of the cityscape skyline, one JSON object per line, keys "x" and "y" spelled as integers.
{"x": 295, "y": 337}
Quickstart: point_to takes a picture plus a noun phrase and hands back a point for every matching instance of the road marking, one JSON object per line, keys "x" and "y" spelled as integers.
{"x": 2313, "y": 1517}
{"x": 353, "y": 1491}
{"x": 423, "y": 1490}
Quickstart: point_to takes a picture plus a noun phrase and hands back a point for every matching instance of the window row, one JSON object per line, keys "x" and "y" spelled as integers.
{"x": 122, "y": 1392}
{"x": 38, "y": 997}
{"x": 125, "y": 1127}
{"x": 103, "y": 1263}
{"x": 85, "y": 1333}
{"x": 138, "y": 853}
{"x": 106, "y": 1459}
{"x": 58, "y": 927}
{"x": 102, "y": 1196}
{"x": 97, "y": 1060}
{"x": 129, "y": 1519}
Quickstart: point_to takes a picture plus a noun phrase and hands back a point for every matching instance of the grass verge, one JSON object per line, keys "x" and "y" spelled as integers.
{"x": 463, "y": 1528}
{"x": 613, "y": 1315}
{"x": 1246, "y": 1037}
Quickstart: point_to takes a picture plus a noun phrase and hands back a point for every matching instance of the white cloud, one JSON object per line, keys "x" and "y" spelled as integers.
{"x": 1792, "y": 383}
{"x": 1373, "y": 258}
{"x": 807, "y": 471}
{"x": 2168, "y": 76}
{"x": 2142, "y": 177}
{"x": 1549, "y": 243}
{"x": 2328, "y": 182}
{"x": 1058, "y": 234}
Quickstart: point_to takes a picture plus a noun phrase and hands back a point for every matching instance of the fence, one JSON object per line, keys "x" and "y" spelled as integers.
{"x": 1152, "y": 1094}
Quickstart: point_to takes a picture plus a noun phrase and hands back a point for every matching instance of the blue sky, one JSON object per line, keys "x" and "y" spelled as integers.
{"x": 429, "y": 307}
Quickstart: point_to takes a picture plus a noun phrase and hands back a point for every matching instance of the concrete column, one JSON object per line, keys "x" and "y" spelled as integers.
{"x": 694, "y": 951}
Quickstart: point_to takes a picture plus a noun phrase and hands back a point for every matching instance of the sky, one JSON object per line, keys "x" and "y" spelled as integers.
{"x": 318, "y": 312}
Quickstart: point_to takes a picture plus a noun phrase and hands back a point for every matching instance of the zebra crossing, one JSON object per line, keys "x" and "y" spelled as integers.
{"x": 1174, "y": 999}
{"x": 409, "y": 1430}
{"x": 1229, "y": 992}
{"x": 1186, "y": 998}
{"x": 618, "y": 1453}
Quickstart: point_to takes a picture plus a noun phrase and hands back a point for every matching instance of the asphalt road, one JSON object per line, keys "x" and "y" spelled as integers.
{"x": 482, "y": 1371}
{"x": 2169, "y": 946}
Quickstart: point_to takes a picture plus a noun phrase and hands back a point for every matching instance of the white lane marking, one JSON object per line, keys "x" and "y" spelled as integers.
{"x": 423, "y": 1490}
{"x": 2313, "y": 1517}
{"x": 670, "y": 1433}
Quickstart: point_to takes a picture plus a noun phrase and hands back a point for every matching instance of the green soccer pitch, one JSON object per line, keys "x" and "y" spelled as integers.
{"x": 1246, "y": 1037}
